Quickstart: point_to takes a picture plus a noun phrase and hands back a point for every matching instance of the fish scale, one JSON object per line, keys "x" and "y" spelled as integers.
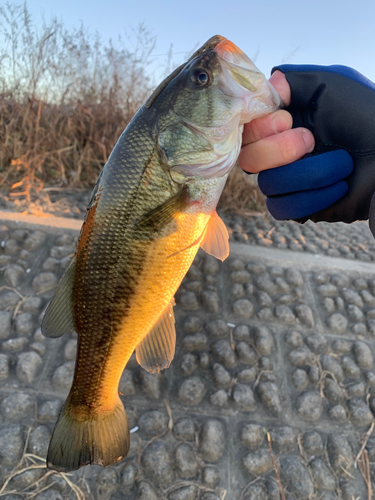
{"x": 152, "y": 208}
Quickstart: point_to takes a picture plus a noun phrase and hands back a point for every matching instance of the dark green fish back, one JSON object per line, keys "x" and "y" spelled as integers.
{"x": 109, "y": 260}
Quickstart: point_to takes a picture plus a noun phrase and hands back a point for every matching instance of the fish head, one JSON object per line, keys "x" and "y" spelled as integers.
{"x": 203, "y": 105}
{"x": 240, "y": 78}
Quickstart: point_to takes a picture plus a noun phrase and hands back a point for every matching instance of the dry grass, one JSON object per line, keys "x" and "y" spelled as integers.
{"x": 242, "y": 195}
{"x": 29, "y": 462}
{"x": 65, "y": 98}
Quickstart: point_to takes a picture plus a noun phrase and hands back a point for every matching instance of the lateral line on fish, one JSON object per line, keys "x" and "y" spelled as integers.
{"x": 124, "y": 280}
{"x": 127, "y": 216}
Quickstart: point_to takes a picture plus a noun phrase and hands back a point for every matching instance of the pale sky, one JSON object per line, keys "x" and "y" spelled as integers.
{"x": 293, "y": 31}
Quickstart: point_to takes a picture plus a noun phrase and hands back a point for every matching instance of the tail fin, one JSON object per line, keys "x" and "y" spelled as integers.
{"x": 100, "y": 439}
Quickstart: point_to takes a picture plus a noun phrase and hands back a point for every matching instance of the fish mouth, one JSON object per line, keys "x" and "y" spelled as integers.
{"x": 242, "y": 79}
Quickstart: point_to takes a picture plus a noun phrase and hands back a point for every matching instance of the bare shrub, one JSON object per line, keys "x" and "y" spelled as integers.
{"x": 65, "y": 98}
{"x": 242, "y": 195}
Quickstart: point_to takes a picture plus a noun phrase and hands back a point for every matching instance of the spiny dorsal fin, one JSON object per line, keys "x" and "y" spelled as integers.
{"x": 58, "y": 318}
{"x": 215, "y": 239}
{"x": 156, "y": 350}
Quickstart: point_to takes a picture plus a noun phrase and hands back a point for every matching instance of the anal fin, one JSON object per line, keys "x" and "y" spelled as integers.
{"x": 216, "y": 238}
{"x": 156, "y": 351}
{"x": 58, "y": 318}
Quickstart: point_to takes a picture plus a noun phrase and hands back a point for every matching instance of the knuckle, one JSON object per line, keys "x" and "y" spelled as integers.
{"x": 288, "y": 147}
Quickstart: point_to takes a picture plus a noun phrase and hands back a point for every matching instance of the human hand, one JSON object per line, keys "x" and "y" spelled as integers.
{"x": 270, "y": 141}
{"x": 337, "y": 181}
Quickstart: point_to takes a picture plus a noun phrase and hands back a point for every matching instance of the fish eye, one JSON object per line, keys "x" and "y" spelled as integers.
{"x": 199, "y": 77}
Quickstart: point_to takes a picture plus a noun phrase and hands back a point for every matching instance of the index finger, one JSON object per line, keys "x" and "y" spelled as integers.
{"x": 281, "y": 85}
{"x": 267, "y": 125}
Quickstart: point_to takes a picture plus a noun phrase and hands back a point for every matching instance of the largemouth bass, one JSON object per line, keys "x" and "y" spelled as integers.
{"x": 153, "y": 206}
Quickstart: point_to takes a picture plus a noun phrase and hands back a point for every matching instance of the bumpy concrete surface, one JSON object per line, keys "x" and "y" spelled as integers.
{"x": 273, "y": 373}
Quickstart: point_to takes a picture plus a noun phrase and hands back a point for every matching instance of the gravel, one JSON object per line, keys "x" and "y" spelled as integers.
{"x": 28, "y": 366}
{"x": 363, "y": 355}
{"x": 252, "y": 436}
{"x": 39, "y": 441}
{"x": 44, "y": 282}
{"x": 184, "y": 429}
{"x": 106, "y": 483}
{"x": 224, "y": 353}
{"x": 184, "y": 493}
{"x": 243, "y": 308}
{"x": 331, "y": 365}
{"x": 246, "y": 354}
{"x": 5, "y": 324}
{"x": 293, "y": 339}
{"x": 152, "y": 423}
{"x": 313, "y": 444}
{"x": 217, "y": 328}
{"x": 360, "y": 413}
{"x": 146, "y": 491}
{"x": 11, "y": 445}
{"x": 333, "y": 392}
{"x": 128, "y": 476}
{"x": 257, "y": 462}
{"x": 340, "y": 454}
{"x": 282, "y": 365}
{"x": 192, "y": 391}
{"x": 16, "y": 406}
{"x": 157, "y": 464}
{"x": 221, "y": 376}
{"x": 321, "y": 475}
{"x": 151, "y": 384}
{"x": 295, "y": 477}
{"x": 309, "y": 405}
{"x": 195, "y": 342}
{"x": 351, "y": 369}
{"x": 63, "y": 376}
{"x": 4, "y": 366}
{"x": 301, "y": 356}
{"x": 338, "y": 414}
{"x": 284, "y": 439}
{"x": 210, "y": 477}
{"x": 337, "y": 323}
{"x": 212, "y": 441}
{"x": 269, "y": 396}
{"x": 186, "y": 463}
{"x": 49, "y": 411}
{"x": 243, "y": 398}
{"x": 300, "y": 379}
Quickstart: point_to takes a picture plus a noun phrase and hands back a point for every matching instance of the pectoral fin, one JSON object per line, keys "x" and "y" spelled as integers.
{"x": 215, "y": 240}
{"x": 156, "y": 219}
{"x": 156, "y": 350}
{"x": 58, "y": 318}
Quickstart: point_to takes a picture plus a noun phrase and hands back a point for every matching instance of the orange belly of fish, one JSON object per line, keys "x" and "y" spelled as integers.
{"x": 167, "y": 262}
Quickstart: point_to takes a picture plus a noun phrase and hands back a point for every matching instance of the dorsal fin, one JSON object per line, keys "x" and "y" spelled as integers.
{"x": 58, "y": 318}
{"x": 156, "y": 350}
{"x": 215, "y": 239}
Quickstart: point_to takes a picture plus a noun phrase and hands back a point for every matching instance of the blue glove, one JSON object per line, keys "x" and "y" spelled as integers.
{"x": 337, "y": 180}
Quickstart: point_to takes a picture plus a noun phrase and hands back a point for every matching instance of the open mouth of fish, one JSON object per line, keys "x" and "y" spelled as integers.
{"x": 241, "y": 78}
